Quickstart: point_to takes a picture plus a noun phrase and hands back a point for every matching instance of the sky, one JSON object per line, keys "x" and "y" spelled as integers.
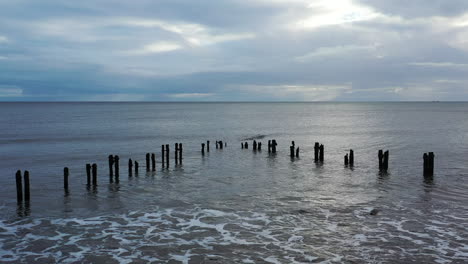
{"x": 234, "y": 50}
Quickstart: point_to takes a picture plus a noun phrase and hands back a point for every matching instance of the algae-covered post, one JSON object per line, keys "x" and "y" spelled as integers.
{"x": 66, "y": 173}
{"x": 88, "y": 174}
{"x": 351, "y": 158}
{"x": 94, "y": 170}
{"x": 153, "y": 161}
{"x": 19, "y": 187}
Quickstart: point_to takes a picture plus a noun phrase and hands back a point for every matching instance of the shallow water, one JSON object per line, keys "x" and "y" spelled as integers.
{"x": 234, "y": 205}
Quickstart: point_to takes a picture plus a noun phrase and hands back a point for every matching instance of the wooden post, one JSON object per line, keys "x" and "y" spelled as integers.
{"x": 254, "y": 145}
{"x": 163, "y": 154}
{"x": 316, "y": 151}
{"x": 136, "y": 168}
{"x": 259, "y": 147}
{"x": 269, "y": 146}
{"x": 181, "y": 150}
{"x": 207, "y": 146}
{"x": 293, "y": 143}
{"x": 246, "y": 145}
{"x": 346, "y": 162}
{"x": 297, "y": 152}
{"x": 216, "y": 144}
{"x": 380, "y": 155}
{"x": 221, "y": 144}
{"x": 19, "y": 187}
{"x": 147, "y": 162}
{"x": 27, "y": 193}
{"x": 291, "y": 151}
{"x": 130, "y": 167}
{"x": 322, "y": 152}
{"x": 428, "y": 164}
{"x": 351, "y": 158}
{"x": 88, "y": 174}
{"x": 94, "y": 170}
{"x": 117, "y": 167}
{"x": 111, "y": 166}
{"x": 167, "y": 155}
{"x": 203, "y": 148}
{"x": 153, "y": 162}
{"x": 66, "y": 173}
{"x": 273, "y": 145}
{"x": 242, "y": 145}
{"x": 385, "y": 161}
{"x": 176, "y": 150}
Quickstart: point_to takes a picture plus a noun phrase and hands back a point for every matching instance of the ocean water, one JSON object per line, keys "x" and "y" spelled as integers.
{"x": 235, "y": 205}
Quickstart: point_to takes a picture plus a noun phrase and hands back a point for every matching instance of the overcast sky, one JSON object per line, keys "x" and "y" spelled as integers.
{"x": 233, "y": 50}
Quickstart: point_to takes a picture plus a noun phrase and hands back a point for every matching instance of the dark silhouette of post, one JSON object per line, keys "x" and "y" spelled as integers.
{"x": 27, "y": 193}
{"x": 117, "y": 167}
{"x": 19, "y": 187}
{"x": 259, "y": 146}
{"x": 380, "y": 155}
{"x": 88, "y": 174}
{"x": 181, "y": 150}
{"x": 428, "y": 165}
{"x": 246, "y": 145}
{"x": 254, "y": 145}
{"x": 207, "y": 146}
{"x": 111, "y": 166}
{"x": 385, "y": 161}
{"x": 94, "y": 171}
{"x": 176, "y": 150}
{"x": 136, "y": 168}
{"x": 163, "y": 154}
{"x": 351, "y": 158}
{"x": 269, "y": 146}
{"x": 147, "y": 162}
{"x": 293, "y": 143}
{"x": 297, "y": 152}
{"x": 291, "y": 151}
{"x": 130, "y": 167}
{"x": 167, "y": 155}
{"x": 153, "y": 162}
{"x": 203, "y": 148}
{"x": 273, "y": 146}
{"x": 316, "y": 151}
{"x": 221, "y": 144}
{"x": 217, "y": 145}
{"x": 66, "y": 173}
{"x": 242, "y": 145}
{"x": 346, "y": 160}
{"x": 322, "y": 152}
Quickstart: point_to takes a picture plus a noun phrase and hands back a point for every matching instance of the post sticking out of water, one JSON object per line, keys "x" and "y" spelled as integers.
{"x": 246, "y": 145}
{"x": 181, "y": 150}
{"x": 88, "y": 174}
{"x": 117, "y": 167}
{"x": 153, "y": 162}
{"x": 130, "y": 167}
{"x": 254, "y": 145}
{"x": 66, "y": 173}
{"x": 216, "y": 144}
{"x": 176, "y": 150}
{"x": 380, "y": 155}
{"x": 385, "y": 161}
{"x": 19, "y": 187}
{"x": 322, "y": 152}
{"x": 346, "y": 161}
{"x": 297, "y": 152}
{"x": 351, "y": 158}
{"x": 207, "y": 146}
{"x": 136, "y": 168}
{"x": 94, "y": 170}
{"x": 111, "y": 166}
{"x": 147, "y": 162}
{"x": 316, "y": 151}
{"x": 269, "y": 146}
{"x": 259, "y": 147}
{"x": 27, "y": 193}
{"x": 428, "y": 164}
{"x": 291, "y": 151}
{"x": 162, "y": 155}
{"x": 242, "y": 145}
{"x": 203, "y": 148}
{"x": 273, "y": 146}
{"x": 167, "y": 155}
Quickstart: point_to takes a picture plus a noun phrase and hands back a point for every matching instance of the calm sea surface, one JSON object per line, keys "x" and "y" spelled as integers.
{"x": 235, "y": 205}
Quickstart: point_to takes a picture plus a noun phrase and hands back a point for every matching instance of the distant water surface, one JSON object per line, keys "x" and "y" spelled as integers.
{"x": 234, "y": 205}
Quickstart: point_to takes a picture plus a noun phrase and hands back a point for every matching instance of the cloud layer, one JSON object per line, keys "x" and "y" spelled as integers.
{"x": 233, "y": 50}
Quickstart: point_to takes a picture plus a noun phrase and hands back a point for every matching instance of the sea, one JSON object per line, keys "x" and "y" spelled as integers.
{"x": 235, "y": 205}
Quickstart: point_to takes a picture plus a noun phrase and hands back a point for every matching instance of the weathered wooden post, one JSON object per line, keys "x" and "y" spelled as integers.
{"x": 380, "y": 155}
{"x": 297, "y": 152}
{"x": 246, "y": 145}
{"x": 291, "y": 151}
{"x": 27, "y": 193}
{"x": 259, "y": 146}
{"x": 19, "y": 187}
{"x": 269, "y": 146}
{"x": 273, "y": 145}
{"x": 163, "y": 154}
{"x": 130, "y": 167}
{"x": 346, "y": 161}
{"x": 428, "y": 164}
{"x": 221, "y": 144}
{"x": 217, "y": 145}
{"x": 207, "y": 146}
{"x": 316, "y": 151}
{"x": 88, "y": 174}
{"x": 203, "y": 148}
{"x": 254, "y": 145}
{"x": 385, "y": 161}
{"x": 176, "y": 150}
{"x": 136, "y": 168}
{"x": 111, "y": 165}
{"x": 117, "y": 167}
{"x": 153, "y": 161}
{"x": 293, "y": 143}
{"x": 181, "y": 150}
{"x": 66, "y": 173}
{"x": 167, "y": 155}
{"x": 242, "y": 145}
{"x": 94, "y": 170}
{"x": 147, "y": 162}
{"x": 351, "y": 158}
{"x": 322, "y": 152}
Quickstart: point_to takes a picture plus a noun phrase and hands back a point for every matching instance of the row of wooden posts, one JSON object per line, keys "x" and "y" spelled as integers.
{"x": 91, "y": 169}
